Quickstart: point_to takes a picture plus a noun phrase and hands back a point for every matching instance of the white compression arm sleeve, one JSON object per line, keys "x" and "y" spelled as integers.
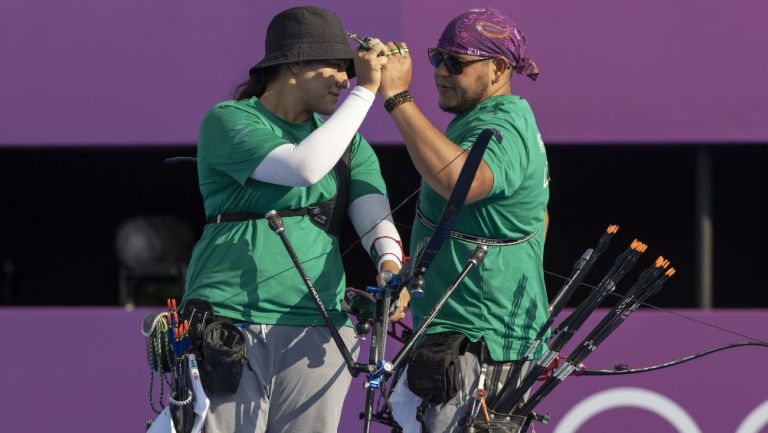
{"x": 305, "y": 163}
{"x": 372, "y": 212}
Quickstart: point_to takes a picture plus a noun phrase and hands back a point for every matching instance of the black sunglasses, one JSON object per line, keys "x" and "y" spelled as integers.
{"x": 453, "y": 64}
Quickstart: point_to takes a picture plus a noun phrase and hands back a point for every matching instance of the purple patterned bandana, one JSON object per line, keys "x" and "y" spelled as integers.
{"x": 486, "y": 32}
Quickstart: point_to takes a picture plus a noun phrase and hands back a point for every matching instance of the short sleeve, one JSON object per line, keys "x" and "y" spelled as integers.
{"x": 366, "y": 172}
{"x": 507, "y": 159}
{"x": 234, "y": 141}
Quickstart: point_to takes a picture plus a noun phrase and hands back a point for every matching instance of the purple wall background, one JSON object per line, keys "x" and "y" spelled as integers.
{"x": 145, "y": 71}
{"x": 77, "y": 368}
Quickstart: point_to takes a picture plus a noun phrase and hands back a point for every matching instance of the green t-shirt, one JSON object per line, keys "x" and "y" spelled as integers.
{"x": 242, "y": 268}
{"x": 504, "y": 300}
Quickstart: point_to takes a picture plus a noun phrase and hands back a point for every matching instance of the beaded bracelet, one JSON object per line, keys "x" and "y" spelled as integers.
{"x": 397, "y": 100}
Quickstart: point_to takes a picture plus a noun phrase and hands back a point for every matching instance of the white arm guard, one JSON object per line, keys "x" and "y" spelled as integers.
{"x": 305, "y": 163}
{"x": 371, "y": 213}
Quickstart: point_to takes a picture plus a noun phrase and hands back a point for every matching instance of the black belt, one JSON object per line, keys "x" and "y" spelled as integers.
{"x": 472, "y": 238}
{"x": 321, "y": 215}
{"x": 245, "y": 216}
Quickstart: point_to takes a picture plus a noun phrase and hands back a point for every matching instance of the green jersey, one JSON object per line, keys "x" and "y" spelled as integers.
{"x": 504, "y": 300}
{"x": 242, "y": 268}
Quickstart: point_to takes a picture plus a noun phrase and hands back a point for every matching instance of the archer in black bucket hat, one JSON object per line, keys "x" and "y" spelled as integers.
{"x": 305, "y": 33}
{"x": 288, "y": 141}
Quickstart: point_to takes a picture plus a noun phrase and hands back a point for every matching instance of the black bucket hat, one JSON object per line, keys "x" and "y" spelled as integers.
{"x": 305, "y": 33}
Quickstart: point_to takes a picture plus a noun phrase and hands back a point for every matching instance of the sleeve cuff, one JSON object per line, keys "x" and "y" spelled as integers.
{"x": 363, "y": 93}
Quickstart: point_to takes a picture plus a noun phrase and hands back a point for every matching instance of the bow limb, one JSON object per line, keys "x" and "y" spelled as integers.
{"x": 621, "y": 369}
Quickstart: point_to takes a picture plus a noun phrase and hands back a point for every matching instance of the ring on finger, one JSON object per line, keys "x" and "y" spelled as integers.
{"x": 401, "y": 49}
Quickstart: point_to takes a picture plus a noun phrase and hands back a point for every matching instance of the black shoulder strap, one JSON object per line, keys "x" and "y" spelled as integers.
{"x": 343, "y": 172}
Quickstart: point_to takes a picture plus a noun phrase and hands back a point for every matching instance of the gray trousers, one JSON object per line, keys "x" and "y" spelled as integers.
{"x": 445, "y": 417}
{"x": 298, "y": 383}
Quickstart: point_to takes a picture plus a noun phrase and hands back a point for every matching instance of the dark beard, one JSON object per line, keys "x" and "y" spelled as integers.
{"x": 468, "y": 100}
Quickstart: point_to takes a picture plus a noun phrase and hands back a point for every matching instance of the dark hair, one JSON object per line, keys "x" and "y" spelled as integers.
{"x": 257, "y": 83}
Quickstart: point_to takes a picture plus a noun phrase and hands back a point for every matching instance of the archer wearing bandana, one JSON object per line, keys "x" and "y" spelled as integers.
{"x": 494, "y": 316}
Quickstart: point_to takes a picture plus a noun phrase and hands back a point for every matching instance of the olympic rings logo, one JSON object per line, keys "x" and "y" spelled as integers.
{"x": 653, "y": 402}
